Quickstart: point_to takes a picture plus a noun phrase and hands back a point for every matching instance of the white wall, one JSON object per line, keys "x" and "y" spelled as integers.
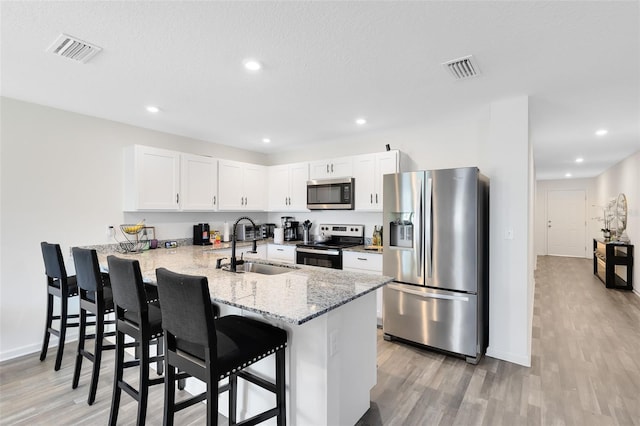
{"x": 592, "y": 211}
{"x": 61, "y": 181}
{"x": 510, "y": 294}
{"x": 624, "y": 177}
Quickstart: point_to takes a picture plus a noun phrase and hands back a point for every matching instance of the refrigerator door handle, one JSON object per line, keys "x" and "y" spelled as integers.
{"x": 428, "y": 232}
{"x": 428, "y": 295}
{"x": 418, "y": 232}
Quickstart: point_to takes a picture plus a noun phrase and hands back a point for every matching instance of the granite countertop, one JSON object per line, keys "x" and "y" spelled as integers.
{"x": 294, "y": 297}
{"x": 363, "y": 249}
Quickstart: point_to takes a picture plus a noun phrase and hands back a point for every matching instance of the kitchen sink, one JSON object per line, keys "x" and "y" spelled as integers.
{"x": 263, "y": 268}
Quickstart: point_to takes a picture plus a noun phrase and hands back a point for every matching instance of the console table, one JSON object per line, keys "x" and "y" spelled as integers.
{"x": 613, "y": 263}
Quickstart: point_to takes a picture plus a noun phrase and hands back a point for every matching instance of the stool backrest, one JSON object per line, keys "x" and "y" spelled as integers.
{"x": 187, "y": 311}
{"x": 87, "y": 269}
{"x": 127, "y": 286}
{"x": 53, "y": 261}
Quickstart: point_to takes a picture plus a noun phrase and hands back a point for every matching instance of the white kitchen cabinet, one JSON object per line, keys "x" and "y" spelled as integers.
{"x": 151, "y": 179}
{"x": 281, "y": 253}
{"x": 198, "y": 183}
{"x": 288, "y": 187}
{"x": 368, "y": 170}
{"x": 332, "y": 168}
{"x": 368, "y": 263}
{"x": 241, "y": 186}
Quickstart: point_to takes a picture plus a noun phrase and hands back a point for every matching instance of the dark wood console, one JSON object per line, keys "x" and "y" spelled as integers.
{"x": 613, "y": 263}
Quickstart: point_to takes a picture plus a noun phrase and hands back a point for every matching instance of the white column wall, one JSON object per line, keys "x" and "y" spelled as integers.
{"x": 505, "y": 158}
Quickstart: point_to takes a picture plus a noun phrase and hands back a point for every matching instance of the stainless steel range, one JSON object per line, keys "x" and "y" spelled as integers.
{"x": 328, "y": 253}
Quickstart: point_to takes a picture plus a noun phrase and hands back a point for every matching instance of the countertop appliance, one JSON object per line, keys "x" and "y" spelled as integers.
{"x": 331, "y": 194}
{"x": 291, "y": 232}
{"x": 247, "y": 232}
{"x": 328, "y": 253}
{"x": 267, "y": 230}
{"x": 201, "y": 234}
{"x": 436, "y": 246}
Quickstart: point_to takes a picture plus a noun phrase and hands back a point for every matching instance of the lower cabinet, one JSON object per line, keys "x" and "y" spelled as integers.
{"x": 368, "y": 263}
{"x": 281, "y": 253}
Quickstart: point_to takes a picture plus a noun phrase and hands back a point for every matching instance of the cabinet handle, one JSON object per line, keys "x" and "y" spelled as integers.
{"x": 361, "y": 258}
{"x": 246, "y": 201}
{"x": 331, "y": 167}
{"x": 371, "y": 198}
{"x": 289, "y": 200}
{"x": 327, "y": 168}
{"x": 214, "y": 200}
{"x": 280, "y": 249}
{"x": 376, "y": 198}
{"x": 177, "y": 198}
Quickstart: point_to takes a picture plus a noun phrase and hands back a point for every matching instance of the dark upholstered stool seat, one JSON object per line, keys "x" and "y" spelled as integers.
{"x": 211, "y": 349}
{"x": 64, "y": 287}
{"x": 141, "y": 319}
{"x": 241, "y": 342}
{"x": 96, "y": 299}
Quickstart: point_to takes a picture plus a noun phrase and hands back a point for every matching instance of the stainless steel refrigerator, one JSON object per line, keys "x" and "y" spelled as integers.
{"x": 436, "y": 245}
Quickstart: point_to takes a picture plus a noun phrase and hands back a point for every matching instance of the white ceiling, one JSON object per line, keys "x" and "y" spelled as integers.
{"x": 326, "y": 63}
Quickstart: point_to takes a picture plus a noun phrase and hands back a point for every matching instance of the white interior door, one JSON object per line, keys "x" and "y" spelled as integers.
{"x": 566, "y": 223}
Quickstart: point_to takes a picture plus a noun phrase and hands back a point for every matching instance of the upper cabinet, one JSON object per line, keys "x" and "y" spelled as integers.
{"x": 152, "y": 178}
{"x": 368, "y": 170}
{"x": 288, "y": 187}
{"x": 333, "y": 168}
{"x": 241, "y": 186}
{"x": 198, "y": 183}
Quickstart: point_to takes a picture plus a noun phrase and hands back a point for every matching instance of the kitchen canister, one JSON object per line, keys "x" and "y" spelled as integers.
{"x": 278, "y": 235}
{"x": 225, "y": 232}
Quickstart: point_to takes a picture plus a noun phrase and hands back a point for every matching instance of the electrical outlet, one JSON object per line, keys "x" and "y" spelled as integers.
{"x": 333, "y": 342}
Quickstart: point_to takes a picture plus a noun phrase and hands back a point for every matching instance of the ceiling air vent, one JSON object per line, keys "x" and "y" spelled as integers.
{"x": 73, "y": 48}
{"x": 462, "y": 68}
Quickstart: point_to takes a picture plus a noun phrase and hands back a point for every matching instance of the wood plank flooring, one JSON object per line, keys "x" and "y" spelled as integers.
{"x": 585, "y": 371}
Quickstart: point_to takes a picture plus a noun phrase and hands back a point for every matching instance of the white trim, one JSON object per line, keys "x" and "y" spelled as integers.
{"x": 509, "y": 357}
{"x": 37, "y": 347}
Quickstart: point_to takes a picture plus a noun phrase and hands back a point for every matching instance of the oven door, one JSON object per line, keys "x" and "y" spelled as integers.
{"x": 331, "y": 258}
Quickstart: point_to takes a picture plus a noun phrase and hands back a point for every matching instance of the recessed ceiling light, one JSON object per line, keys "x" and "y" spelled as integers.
{"x": 252, "y": 65}
{"x": 601, "y": 132}
{"x": 567, "y": 175}
{"x": 361, "y": 121}
{"x": 266, "y": 140}
{"x": 153, "y": 109}
{"x": 579, "y": 160}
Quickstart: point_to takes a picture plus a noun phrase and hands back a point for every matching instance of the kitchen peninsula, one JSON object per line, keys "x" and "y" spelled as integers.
{"x": 330, "y": 317}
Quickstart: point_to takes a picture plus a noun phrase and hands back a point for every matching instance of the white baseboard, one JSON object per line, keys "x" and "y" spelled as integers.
{"x": 509, "y": 357}
{"x": 72, "y": 336}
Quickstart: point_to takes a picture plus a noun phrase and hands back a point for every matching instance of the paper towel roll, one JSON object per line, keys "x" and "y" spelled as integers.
{"x": 278, "y": 235}
{"x": 225, "y": 232}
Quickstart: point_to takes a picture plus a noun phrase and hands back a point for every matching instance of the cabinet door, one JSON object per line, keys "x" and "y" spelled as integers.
{"x": 152, "y": 181}
{"x": 281, "y": 253}
{"x": 278, "y": 188}
{"x": 255, "y": 187}
{"x": 298, "y": 177}
{"x": 386, "y": 163}
{"x": 341, "y": 167}
{"x": 319, "y": 169}
{"x": 362, "y": 262}
{"x": 198, "y": 183}
{"x": 230, "y": 191}
{"x": 364, "y": 174}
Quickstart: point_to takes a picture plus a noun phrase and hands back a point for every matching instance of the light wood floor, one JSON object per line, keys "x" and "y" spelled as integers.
{"x": 585, "y": 371}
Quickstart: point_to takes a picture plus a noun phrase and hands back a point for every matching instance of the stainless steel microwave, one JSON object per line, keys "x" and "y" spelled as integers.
{"x": 331, "y": 194}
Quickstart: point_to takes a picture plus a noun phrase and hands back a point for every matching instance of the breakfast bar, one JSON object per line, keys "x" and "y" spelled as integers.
{"x": 330, "y": 318}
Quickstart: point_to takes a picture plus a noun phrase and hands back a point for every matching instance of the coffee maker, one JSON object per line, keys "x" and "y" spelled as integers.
{"x": 201, "y": 234}
{"x": 290, "y": 227}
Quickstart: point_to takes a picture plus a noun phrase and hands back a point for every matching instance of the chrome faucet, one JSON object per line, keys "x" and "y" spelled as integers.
{"x": 254, "y": 246}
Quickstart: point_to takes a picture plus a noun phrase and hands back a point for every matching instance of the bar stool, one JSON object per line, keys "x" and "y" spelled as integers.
{"x": 62, "y": 286}
{"x": 96, "y": 298}
{"x": 140, "y": 319}
{"x": 212, "y": 350}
